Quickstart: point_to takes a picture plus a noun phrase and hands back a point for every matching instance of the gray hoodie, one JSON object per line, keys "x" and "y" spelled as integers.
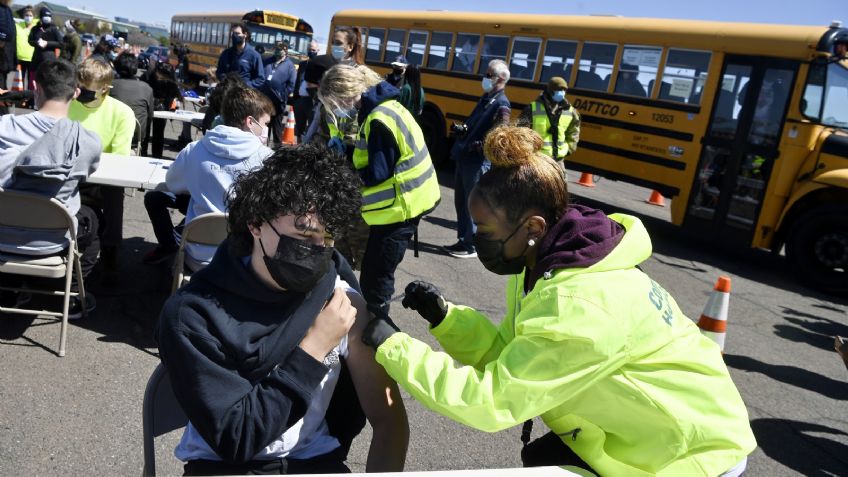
{"x": 52, "y": 164}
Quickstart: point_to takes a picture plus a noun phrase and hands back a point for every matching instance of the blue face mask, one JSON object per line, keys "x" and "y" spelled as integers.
{"x": 558, "y": 96}
{"x": 113, "y": 56}
{"x": 338, "y": 52}
{"x": 344, "y": 113}
{"x": 487, "y": 84}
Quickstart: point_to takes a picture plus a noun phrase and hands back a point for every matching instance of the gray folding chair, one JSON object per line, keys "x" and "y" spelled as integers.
{"x": 161, "y": 414}
{"x": 206, "y": 229}
{"x": 37, "y": 213}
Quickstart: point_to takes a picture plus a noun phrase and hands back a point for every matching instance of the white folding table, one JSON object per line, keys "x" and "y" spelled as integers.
{"x": 137, "y": 172}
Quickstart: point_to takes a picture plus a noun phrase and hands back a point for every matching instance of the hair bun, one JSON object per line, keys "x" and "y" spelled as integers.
{"x": 511, "y": 146}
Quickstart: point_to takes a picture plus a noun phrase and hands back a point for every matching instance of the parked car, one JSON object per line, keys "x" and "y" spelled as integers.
{"x": 88, "y": 38}
{"x": 152, "y": 54}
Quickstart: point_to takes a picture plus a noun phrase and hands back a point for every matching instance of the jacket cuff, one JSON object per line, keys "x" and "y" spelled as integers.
{"x": 303, "y": 370}
{"x": 447, "y": 323}
{"x": 390, "y": 347}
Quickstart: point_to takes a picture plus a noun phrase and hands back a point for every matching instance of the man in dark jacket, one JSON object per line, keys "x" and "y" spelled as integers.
{"x": 45, "y": 37}
{"x": 263, "y": 345}
{"x": 133, "y": 92}
{"x": 241, "y": 58}
{"x": 279, "y": 83}
{"x": 72, "y": 43}
{"x": 492, "y": 110}
{"x": 8, "y": 38}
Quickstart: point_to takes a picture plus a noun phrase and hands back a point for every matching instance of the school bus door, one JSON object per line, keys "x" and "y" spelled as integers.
{"x": 740, "y": 148}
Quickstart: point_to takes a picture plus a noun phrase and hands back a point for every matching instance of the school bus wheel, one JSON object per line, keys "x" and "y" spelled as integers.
{"x": 817, "y": 248}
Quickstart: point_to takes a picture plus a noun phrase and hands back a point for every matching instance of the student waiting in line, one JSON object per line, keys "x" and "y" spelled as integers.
{"x": 205, "y": 169}
{"x": 626, "y": 382}
{"x": 46, "y": 153}
{"x": 263, "y": 345}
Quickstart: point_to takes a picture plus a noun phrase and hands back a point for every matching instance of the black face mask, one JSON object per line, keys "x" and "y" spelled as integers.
{"x": 312, "y": 92}
{"x": 490, "y": 253}
{"x": 238, "y": 40}
{"x": 312, "y": 54}
{"x": 297, "y": 266}
{"x": 86, "y": 96}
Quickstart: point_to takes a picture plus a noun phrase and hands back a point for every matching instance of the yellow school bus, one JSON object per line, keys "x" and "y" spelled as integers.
{"x": 743, "y": 125}
{"x": 208, "y": 34}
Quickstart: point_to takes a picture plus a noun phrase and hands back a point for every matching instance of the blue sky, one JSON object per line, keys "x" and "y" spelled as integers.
{"x": 318, "y": 13}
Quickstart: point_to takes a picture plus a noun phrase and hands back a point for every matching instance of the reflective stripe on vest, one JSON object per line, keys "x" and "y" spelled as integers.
{"x": 414, "y": 188}
{"x": 542, "y": 125}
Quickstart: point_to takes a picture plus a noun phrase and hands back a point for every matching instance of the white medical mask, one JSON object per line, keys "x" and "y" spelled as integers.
{"x": 27, "y": 19}
{"x": 558, "y": 96}
{"x": 338, "y": 52}
{"x": 263, "y": 132}
{"x": 487, "y": 84}
{"x": 46, "y": 20}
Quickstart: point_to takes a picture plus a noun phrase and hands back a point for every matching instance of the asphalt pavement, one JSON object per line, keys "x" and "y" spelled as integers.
{"x": 81, "y": 414}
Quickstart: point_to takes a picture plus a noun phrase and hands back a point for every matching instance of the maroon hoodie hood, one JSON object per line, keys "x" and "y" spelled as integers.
{"x": 581, "y": 238}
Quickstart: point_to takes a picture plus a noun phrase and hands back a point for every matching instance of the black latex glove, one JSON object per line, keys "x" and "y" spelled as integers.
{"x": 427, "y": 300}
{"x": 378, "y": 331}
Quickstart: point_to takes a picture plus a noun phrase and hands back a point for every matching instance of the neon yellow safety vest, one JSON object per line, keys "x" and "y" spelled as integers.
{"x": 24, "y": 49}
{"x": 542, "y": 125}
{"x": 414, "y": 188}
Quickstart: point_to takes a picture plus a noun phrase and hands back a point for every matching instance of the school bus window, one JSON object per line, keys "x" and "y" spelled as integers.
{"x": 595, "y": 67}
{"x": 834, "y": 111}
{"x": 494, "y": 48}
{"x": 374, "y": 44}
{"x": 207, "y": 34}
{"x": 684, "y": 75}
{"x": 525, "y": 54}
{"x": 394, "y": 45}
{"x": 439, "y": 46}
{"x": 415, "y": 47}
{"x": 558, "y": 60}
{"x": 638, "y": 70}
{"x": 465, "y": 52}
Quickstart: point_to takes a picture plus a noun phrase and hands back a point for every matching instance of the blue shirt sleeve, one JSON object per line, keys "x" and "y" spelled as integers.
{"x": 257, "y": 76}
{"x": 383, "y": 154}
{"x": 221, "y": 69}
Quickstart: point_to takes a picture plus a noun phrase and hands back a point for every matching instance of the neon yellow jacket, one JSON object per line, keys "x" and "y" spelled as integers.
{"x": 603, "y": 354}
{"x": 24, "y": 50}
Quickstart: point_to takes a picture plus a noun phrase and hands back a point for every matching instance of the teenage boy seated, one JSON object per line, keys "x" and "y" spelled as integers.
{"x": 46, "y": 153}
{"x": 205, "y": 169}
{"x": 114, "y": 123}
{"x": 264, "y": 346}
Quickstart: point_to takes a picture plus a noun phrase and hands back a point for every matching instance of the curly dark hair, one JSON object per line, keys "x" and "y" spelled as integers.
{"x": 295, "y": 180}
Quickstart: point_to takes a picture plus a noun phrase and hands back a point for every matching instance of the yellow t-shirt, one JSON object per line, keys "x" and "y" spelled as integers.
{"x": 112, "y": 121}
{"x": 25, "y": 50}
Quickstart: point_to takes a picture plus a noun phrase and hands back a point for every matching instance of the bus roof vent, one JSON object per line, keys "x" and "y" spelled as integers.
{"x": 836, "y": 24}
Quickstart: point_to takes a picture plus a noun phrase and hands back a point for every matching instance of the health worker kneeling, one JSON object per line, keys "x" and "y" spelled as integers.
{"x": 624, "y": 380}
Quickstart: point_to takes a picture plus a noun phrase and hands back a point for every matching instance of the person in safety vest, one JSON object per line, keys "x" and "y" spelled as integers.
{"x": 554, "y": 119}
{"x": 591, "y": 344}
{"x": 399, "y": 183}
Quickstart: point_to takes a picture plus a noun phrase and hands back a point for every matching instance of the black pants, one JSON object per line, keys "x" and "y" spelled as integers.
{"x": 109, "y": 200}
{"x": 302, "y": 114}
{"x": 329, "y": 463}
{"x": 157, "y": 204}
{"x": 550, "y": 450}
{"x": 386, "y": 246}
{"x": 157, "y": 137}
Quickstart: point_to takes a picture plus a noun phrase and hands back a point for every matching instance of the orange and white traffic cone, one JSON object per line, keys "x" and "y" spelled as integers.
{"x": 288, "y": 133}
{"x": 18, "y": 82}
{"x": 713, "y": 322}
{"x": 656, "y": 199}
{"x": 586, "y": 180}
